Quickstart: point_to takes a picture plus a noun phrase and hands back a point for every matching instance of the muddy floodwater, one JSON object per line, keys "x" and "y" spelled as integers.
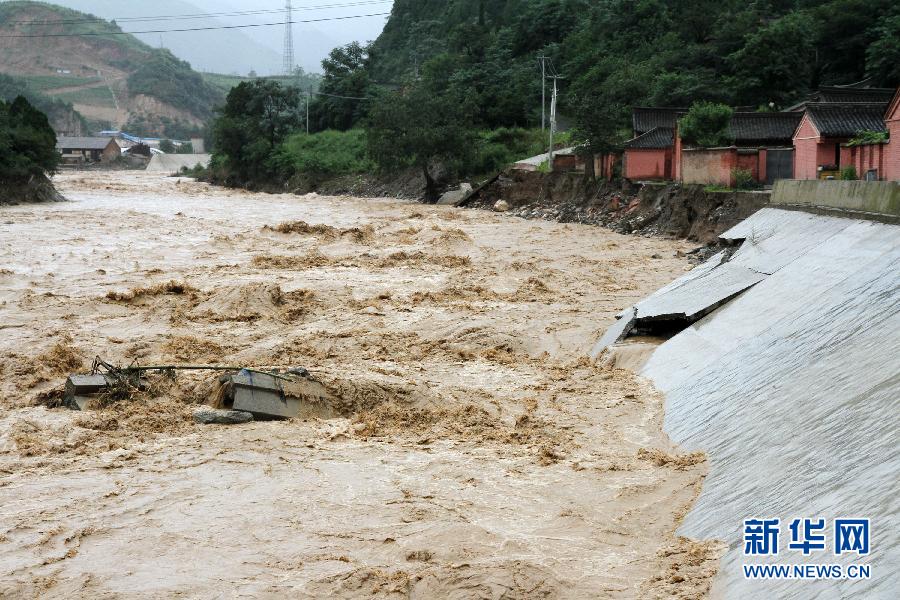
{"x": 471, "y": 450}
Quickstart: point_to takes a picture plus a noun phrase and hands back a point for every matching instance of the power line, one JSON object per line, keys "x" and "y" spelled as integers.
{"x": 193, "y": 15}
{"x": 101, "y": 34}
{"x": 340, "y": 97}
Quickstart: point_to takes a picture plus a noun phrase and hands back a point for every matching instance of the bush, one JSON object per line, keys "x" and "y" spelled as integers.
{"x": 499, "y": 148}
{"x": 849, "y": 174}
{"x": 743, "y": 179}
{"x": 707, "y": 125}
{"x": 324, "y": 154}
{"x": 27, "y": 143}
{"x": 868, "y": 137}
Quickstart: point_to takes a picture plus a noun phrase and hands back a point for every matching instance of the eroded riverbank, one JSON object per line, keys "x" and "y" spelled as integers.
{"x": 473, "y": 452}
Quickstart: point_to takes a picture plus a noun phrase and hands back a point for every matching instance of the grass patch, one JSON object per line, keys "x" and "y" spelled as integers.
{"x": 99, "y": 96}
{"x": 51, "y": 82}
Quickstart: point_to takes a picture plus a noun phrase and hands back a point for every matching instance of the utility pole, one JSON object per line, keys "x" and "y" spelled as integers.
{"x": 308, "y": 100}
{"x": 555, "y": 79}
{"x": 543, "y": 60}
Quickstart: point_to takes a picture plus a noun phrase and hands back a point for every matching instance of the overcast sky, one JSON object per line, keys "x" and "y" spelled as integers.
{"x": 239, "y": 50}
{"x": 312, "y": 41}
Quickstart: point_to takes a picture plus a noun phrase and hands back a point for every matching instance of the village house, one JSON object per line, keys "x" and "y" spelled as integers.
{"x": 844, "y": 95}
{"x": 892, "y": 121}
{"x": 77, "y": 150}
{"x": 650, "y": 154}
{"x": 762, "y": 147}
{"x": 825, "y": 127}
{"x": 878, "y": 159}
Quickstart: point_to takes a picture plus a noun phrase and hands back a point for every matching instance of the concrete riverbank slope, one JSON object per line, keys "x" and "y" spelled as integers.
{"x": 783, "y": 363}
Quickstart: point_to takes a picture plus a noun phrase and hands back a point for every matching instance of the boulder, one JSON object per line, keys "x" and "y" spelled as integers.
{"x": 501, "y": 206}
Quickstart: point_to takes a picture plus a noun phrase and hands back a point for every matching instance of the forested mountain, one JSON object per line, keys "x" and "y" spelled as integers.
{"x": 114, "y": 80}
{"x": 614, "y": 54}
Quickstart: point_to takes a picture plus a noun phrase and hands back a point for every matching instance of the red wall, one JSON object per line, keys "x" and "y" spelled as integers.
{"x": 605, "y": 165}
{"x": 864, "y": 159}
{"x": 892, "y": 149}
{"x": 646, "y": 163}
{"x": 708, "y": 166}
{"x": 750, "y": 162}
{"x": 806, "y": 147}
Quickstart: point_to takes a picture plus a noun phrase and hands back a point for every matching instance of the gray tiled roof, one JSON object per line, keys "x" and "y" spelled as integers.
{"x": 854, "y": 95}
{"x": 761, "y": 128}
{"x": 844, "y": 95}
{"x": 82, "y": 143}
{"x": 846, "y": 120}
{"x": 659, "y": 137}
{"x": 647, "y": 119}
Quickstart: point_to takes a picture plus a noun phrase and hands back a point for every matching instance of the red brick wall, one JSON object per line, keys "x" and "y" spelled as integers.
{"x": 749, "y": 162}
{"x": 826, "y": 153}
{"x": 708, "y": 167}
{"x": 865, "y": 159}
{"x": 806, "y": 146}
{"x": 648, "y": 163}
{"x": 605, "y": 165}
{"x": 676, "y": 159}
{"x": 892, "y": 148}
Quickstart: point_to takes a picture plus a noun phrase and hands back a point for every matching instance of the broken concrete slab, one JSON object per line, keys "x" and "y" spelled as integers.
{"x": 272, "y": 396}
{"x": 810, "y": 355}
{"x": 453, "y": 197}
{"x": 215, "y": 416}
{"x": 80, "y": 388}
{"x": 698, "y": 296}
{"x": 616, "y": 333}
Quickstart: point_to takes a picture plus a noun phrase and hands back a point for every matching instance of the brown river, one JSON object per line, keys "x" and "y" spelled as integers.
{"x": 472, "y": 451}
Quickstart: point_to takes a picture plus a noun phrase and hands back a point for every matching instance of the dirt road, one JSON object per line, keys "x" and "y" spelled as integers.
{"x": 471, "y": 452}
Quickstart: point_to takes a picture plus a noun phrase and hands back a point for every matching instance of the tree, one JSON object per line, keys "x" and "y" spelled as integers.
{"x": 257, "y": 116}
{"x": 777, "y": 62}
{"x": 167, "y": 146}
{"x": 883, "y": 56}
{"x": 418, "y": 128}
{"x": 707, "y": 125}
{"x": 345, "y": 80}
{"x": 27, "y": 143}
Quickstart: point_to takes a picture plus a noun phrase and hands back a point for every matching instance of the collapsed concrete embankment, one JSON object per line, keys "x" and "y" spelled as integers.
{"x": 173, "y": 163}
{"x": 672, "y": 209}
{"x": 783, "y": 365}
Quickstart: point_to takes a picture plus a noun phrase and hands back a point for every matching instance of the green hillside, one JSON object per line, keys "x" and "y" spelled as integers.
{"x": 61, "y": 114}
{"x": 613, "y": 54}
{"x": 225, "y": 83}
{"x": 103, "y": 73}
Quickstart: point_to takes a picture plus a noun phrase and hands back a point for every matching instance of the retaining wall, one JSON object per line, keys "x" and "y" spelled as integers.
{"x": 872, "y": 197}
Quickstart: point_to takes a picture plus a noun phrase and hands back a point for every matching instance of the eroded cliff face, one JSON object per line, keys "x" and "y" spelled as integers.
{"x": 671, "y": 209}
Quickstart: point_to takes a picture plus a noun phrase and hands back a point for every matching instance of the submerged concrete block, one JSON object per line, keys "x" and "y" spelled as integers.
{"x": 268, "y": 396}
{"x": 80, "y": 388}
{"x": 214, "y": 416}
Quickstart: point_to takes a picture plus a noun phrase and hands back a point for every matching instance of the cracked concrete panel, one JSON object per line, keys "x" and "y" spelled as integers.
{"x": 699, "y": 295}
{"x": 792, "y": 391}
{"x": 616, "y": 333}
{"x": 738, "y": 322}
{"x": 775, "y": 237}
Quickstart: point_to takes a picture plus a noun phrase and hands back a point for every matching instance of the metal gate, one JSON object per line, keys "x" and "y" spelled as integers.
{"x": 779, "y": 164}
